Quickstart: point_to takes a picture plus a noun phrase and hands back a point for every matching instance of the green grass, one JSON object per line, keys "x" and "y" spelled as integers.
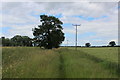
{"x": 30, "y": 62}
{"x": 33, "y": 62}
{"x": 108, "y": 53}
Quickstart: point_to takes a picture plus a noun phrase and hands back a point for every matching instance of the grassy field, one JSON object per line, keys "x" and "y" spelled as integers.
{"x": 33, "y": 62}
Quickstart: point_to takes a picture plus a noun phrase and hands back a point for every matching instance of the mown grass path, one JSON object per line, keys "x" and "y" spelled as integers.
{"x": 79, "y": 65}
{"x": 61, "y": 67}
{"x": 26, "y": 62}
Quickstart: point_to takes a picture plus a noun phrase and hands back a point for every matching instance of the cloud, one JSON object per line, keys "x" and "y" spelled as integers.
{"x": 95, "y": 17}
{"x": 59, "y": 0}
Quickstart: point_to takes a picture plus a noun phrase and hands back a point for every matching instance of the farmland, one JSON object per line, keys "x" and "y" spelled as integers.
{"x": 33, "y": 62}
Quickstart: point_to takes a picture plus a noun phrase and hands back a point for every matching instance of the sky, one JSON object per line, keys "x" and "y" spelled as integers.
{"x": 99, "y": 20}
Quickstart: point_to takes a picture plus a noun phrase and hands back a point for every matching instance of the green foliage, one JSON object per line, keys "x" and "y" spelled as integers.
{"x": 87, "y": 44}
{"x": 22, "y": 40}
{"x": 112, "y": 43}
{"x": 17, "y": 41}
{"x": 49, "y": 35}
{"x": 6, "y": 41}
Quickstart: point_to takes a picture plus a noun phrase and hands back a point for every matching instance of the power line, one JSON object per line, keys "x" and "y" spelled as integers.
{"x": 76, "y": 33}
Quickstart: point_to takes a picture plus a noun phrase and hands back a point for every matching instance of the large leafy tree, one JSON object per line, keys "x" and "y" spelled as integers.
{"x": 49, "y": 34}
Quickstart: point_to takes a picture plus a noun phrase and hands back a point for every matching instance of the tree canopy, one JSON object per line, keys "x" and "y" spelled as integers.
{"x": 6, "y": 41}
{"x": 87, "y": 44}
{"x": 16, "y": 41}
{"x": 112, "y": 43}
{"x": 49, "y": 34}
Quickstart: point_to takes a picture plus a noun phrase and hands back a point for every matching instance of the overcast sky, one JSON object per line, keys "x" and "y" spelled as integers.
{"x": 99, "y": 20}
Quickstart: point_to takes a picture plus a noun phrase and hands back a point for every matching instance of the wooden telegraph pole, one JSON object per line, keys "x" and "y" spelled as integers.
{"x": 76, "y": 34}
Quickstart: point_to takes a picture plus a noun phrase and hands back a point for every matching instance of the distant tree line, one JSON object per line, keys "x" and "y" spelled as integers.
{"x": 111, "y": 44}
{"x": 16, "y": 41}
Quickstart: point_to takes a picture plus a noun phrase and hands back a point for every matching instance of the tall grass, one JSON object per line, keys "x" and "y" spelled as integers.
{"x": 33, "y": 62}
{"x": 79, "y": 65}
{"x": 30, "y": 63}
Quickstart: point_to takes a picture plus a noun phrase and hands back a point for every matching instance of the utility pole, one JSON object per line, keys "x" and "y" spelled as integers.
{"x": 76, "y": 33}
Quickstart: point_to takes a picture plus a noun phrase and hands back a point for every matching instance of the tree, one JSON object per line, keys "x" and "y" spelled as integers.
{"x": 17, "y": 40}
{"x": 87, "y": 44}
{"x": 112, "y": 43}
{"x": 26, "y": 41}
{"x": 49, "y": 34}
{"x": 21, "y": 41}
{"x": 3, "y": 41}
{"x": 6, "y": 41}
